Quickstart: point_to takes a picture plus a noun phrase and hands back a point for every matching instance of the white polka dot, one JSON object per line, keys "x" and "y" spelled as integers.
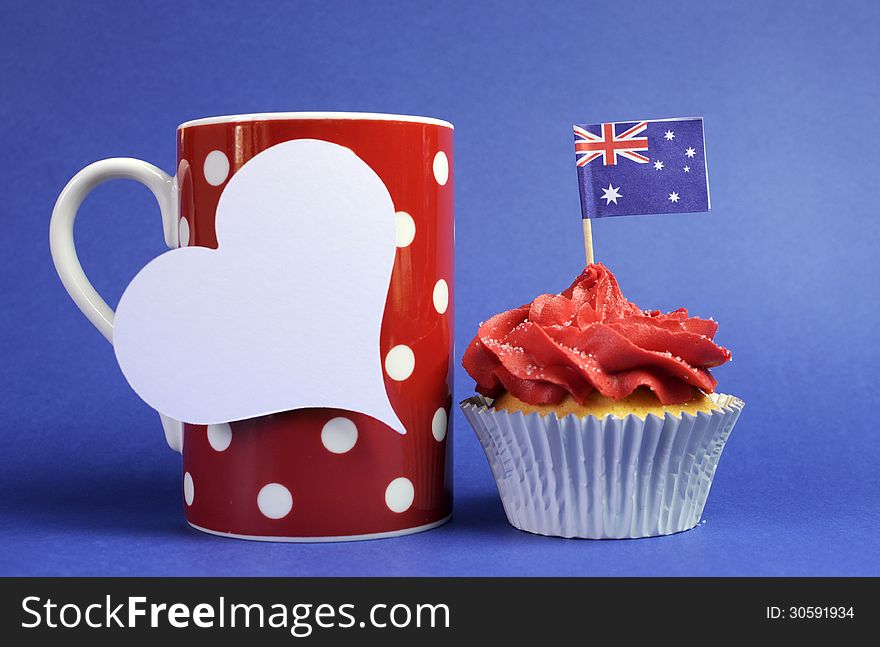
{"x": 189, "y": 489}
{"x": 441, "y": 296}
{"x": 183, "y": 233}
{"x": 339, "y": 435}
{"x": 219, "y": 436}
{"x": 438, "y": 424}
{"x": 406, "y": 228}
{"x": 274, "y": 501}
{"x": 399, "y": 494}
{"x": 400, "y": 363}
{"x": 441, "y": 168}
{"x": 216, "y": 168}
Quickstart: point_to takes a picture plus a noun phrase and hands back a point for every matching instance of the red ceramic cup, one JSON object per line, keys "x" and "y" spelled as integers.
{"x": 314, "y": 474}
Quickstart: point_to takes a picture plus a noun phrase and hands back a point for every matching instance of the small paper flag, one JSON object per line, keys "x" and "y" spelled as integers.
{"x": 642, "y": 167}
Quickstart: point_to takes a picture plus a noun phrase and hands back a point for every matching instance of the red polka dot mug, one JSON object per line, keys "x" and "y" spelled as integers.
{"x": 313, "y": 474}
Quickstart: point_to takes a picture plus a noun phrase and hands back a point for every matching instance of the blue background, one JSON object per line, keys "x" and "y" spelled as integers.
{"x": 786, "y": 260}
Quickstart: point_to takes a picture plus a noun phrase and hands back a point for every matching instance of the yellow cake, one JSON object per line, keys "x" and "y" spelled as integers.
{"x": 640, "y": 403}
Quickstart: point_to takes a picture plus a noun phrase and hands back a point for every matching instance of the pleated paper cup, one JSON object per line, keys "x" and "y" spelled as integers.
{"x": 603, "y": 478}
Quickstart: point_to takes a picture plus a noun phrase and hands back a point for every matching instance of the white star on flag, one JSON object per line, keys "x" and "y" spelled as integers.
{"x": 611, "y": 194}
{"x": 658, "y": 165}
{"x": 669, "y": 135}
{"x": 673, "y": 197}
{"x": 690, "y": 152}
{"x": 687, "y": 169}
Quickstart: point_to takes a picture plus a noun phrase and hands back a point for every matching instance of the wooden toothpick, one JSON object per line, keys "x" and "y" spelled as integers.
{"x": 588, "y": 240}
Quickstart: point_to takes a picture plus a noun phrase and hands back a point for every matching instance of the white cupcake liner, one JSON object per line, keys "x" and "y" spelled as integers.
{"x": 603, "y": 478}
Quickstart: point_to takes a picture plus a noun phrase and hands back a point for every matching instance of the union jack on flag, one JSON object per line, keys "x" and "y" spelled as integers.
{"x": 609, "y": 145}
{"x": 646, "y": 167}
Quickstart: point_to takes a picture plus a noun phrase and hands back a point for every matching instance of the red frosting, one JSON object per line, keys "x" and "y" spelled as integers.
{"x": 590, "y": 337}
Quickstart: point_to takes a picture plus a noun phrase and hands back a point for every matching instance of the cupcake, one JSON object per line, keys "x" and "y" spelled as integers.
{"x": 599, "y": 419}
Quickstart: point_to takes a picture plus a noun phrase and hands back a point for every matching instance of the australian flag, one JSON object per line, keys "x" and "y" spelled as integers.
{"x": 642, "y": 167}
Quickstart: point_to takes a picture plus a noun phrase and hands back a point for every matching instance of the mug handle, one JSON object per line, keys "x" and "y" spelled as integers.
{"x": 84, "y": 295}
